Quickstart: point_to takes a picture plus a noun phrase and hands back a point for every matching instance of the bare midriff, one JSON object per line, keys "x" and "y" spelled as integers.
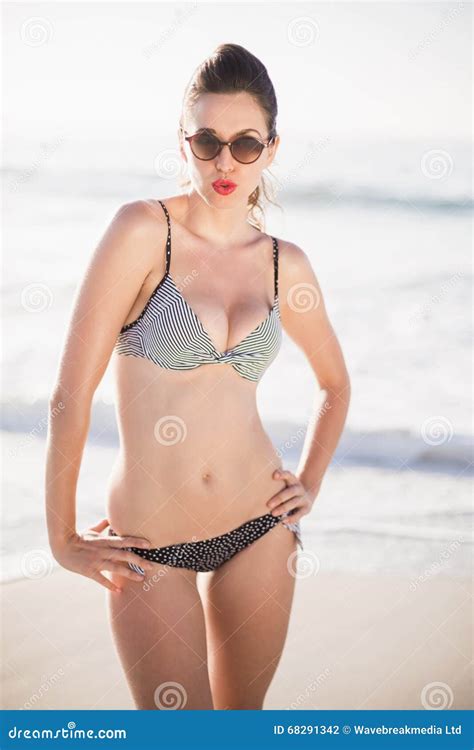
{"x": 194, "y": 459}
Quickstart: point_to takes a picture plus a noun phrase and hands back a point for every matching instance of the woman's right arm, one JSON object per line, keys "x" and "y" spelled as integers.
{"x": 113, "y": 278}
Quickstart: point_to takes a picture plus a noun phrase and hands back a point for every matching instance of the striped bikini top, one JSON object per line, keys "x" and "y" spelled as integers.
{"x": 169, "y": 333}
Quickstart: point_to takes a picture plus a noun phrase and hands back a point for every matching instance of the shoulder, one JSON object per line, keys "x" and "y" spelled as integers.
{"x": 293, "y": 261}
{"x": 298, "y": 283}
{"x": 139, "y": 229}
{"x": 140, "y": 216}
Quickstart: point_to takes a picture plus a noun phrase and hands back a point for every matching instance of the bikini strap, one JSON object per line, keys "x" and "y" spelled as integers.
{"x": 275, "y": 264}
{"x": 168, "y": 240}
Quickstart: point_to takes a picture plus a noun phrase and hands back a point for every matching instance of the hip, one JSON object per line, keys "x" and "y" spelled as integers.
{"x": 187, "y": 498}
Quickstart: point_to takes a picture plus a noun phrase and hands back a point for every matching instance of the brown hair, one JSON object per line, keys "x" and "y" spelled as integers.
{"x": 229, "y": 69}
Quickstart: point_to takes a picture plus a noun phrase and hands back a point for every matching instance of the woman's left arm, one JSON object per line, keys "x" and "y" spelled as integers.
{"x": 305, "y": 320}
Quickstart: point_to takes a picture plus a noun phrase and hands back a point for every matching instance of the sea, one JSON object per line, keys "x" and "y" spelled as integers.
{"x": 387, "y": 226}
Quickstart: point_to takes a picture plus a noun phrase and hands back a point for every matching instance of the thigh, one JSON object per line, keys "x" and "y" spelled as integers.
{"x": 159, "y": 633}
{"x": 247, "y": 603}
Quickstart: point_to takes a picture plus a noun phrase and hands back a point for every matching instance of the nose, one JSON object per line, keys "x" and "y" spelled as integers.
{"x": 225, "y": 161}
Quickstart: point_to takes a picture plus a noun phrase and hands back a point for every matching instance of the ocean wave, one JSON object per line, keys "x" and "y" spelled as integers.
{"x": 392, "y": 448}
{"x": 413, "y": 192}
{"x": 391, "y": 529}
{"x": 366, "y": 196}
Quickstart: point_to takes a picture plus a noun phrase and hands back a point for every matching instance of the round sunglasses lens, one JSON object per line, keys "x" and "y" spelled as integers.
{"x": 204, "y": 146}
{"x": 246, "y": 150}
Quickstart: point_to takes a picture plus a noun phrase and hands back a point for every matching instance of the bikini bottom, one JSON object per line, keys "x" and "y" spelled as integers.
{"x": 209, "y": 554}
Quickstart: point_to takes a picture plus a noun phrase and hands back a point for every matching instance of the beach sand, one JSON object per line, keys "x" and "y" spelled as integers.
{"x": 354, "y": 642}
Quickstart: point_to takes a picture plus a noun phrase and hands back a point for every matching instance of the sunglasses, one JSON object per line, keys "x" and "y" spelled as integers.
{"x": 244, "y": 149}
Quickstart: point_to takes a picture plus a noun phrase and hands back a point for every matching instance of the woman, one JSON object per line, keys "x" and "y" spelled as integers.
{"x": 190, "y": 297}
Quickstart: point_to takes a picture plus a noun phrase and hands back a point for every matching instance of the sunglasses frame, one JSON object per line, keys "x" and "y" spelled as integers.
{"x": 189, "y": 138}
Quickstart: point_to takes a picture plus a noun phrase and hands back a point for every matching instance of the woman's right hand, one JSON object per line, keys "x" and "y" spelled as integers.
{"x": 90, "y": 552}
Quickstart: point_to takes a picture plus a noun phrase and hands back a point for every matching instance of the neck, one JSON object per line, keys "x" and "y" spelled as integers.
{"x": 218, "y": 226}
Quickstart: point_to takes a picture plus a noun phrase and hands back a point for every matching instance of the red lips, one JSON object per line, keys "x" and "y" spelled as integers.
{"x": 224, "y": 187}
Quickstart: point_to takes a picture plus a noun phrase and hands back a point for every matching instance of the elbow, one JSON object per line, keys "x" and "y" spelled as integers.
{"x": 56, "y": 404}
{"x": 340, "y": 389}
{"x": 58, "y": 399}
{"x": 54, "y": 396}
{"x": 67, "y": 412}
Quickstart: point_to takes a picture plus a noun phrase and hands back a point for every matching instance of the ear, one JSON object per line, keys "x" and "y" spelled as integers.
{"x": 272, "y": 149}
{"x": 181, "y": 145}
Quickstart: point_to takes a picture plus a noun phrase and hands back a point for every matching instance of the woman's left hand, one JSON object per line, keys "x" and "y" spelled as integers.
{"x": 293, "y": 496}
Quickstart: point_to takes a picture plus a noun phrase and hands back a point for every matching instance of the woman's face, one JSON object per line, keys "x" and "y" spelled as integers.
{"x": 226, "y": 115}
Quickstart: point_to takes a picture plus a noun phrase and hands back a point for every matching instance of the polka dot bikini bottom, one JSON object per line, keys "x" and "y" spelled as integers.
{"x": 209, "y": 554}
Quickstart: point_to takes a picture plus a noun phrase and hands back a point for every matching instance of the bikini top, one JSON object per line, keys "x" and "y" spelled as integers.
{"x": 169, "y": 333}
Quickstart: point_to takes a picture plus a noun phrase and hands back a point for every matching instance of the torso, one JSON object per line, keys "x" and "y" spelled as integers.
{"x": 195, "y": 460}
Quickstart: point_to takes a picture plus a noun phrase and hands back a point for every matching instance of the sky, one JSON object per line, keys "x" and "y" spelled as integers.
{"x": 112, "y": 72}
